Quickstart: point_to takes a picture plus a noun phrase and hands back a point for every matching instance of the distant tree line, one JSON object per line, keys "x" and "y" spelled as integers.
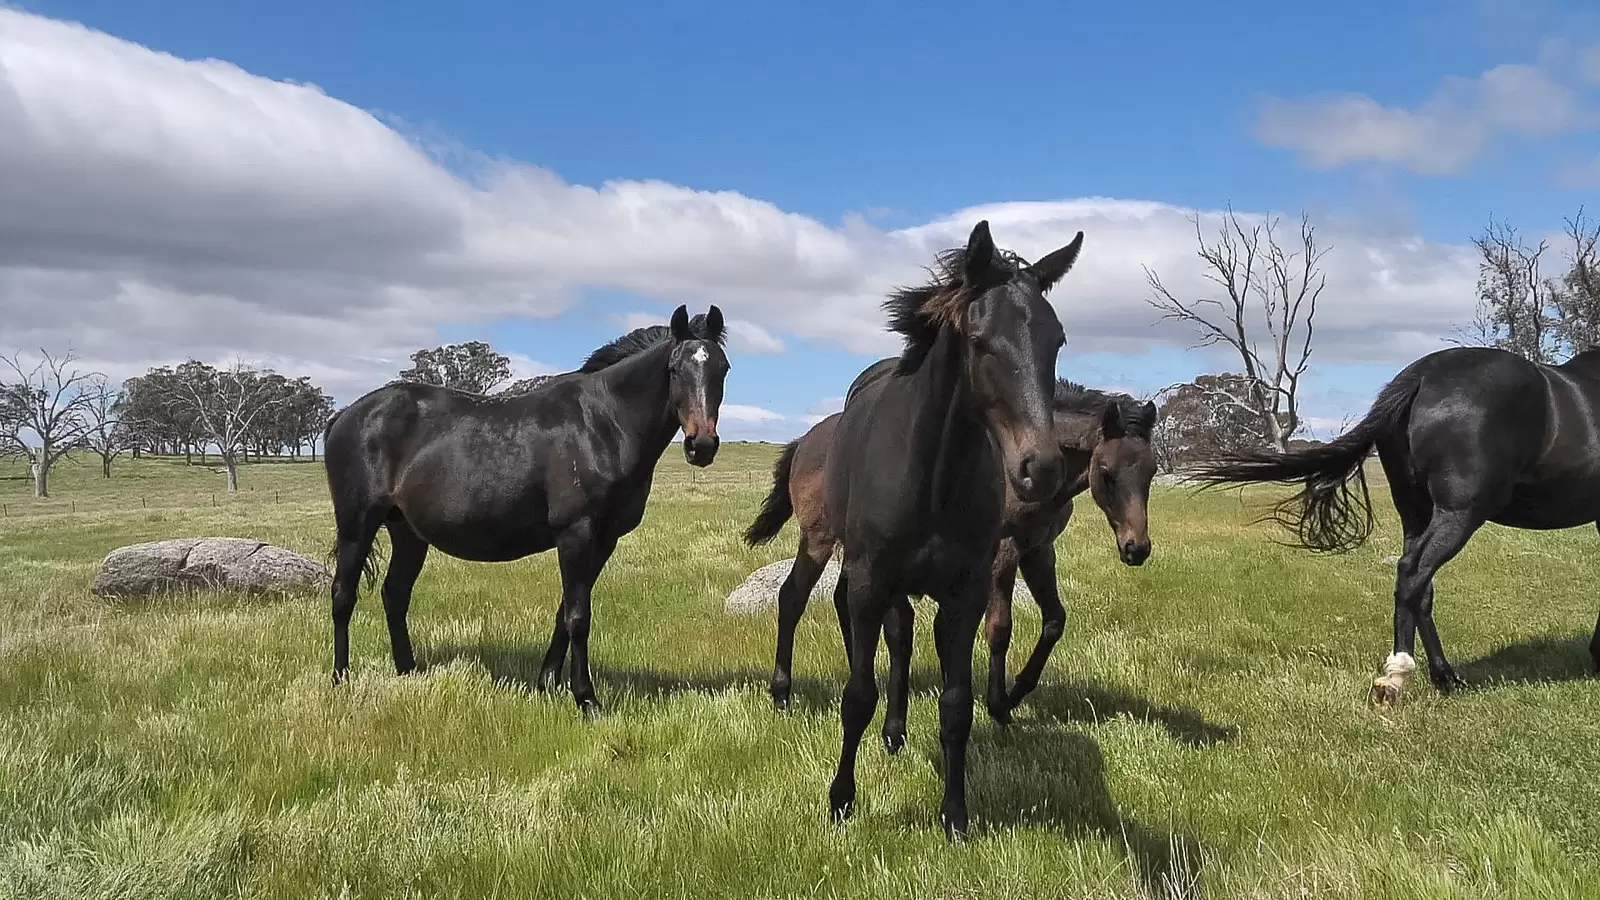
{"x": 53, "y": 408}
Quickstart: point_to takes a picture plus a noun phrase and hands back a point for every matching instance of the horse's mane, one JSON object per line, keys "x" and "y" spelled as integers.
{"x": 919, "y": 312}
{"x": 1075, "y": 399}
{"x": 641, "y": 339}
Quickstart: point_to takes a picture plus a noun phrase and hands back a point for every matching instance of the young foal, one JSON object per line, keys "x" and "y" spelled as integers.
{"x": 568, "y": 466}
{"x": 1105, "y": 443}
{"x": 916, "y": 493}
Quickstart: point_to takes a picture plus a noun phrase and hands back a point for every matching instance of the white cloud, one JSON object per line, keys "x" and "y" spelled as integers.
{"x": 153, "y": 208}
{"x": 748, "y": 337}
{"x": 738, "y": 412}
{"x": 1444, "y": 134}
{"x": 822, "y": 409}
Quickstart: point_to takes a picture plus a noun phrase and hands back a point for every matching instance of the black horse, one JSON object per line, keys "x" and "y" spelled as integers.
{"x": 1105, "y": 442}
{"x": 1465, "y": 436}
{"x": 495, "y": 478}
{"x": 915, "y": 488}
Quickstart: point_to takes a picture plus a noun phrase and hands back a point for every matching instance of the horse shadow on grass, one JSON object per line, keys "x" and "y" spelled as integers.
{"x": 1091, "y": 703}
{"x": 1544, "y": 658}
{"x": 1034, "y": 775}
{"x": 518, "y": 667}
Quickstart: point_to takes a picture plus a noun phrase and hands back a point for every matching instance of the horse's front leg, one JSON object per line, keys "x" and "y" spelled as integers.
{"x": 867, "y": 606}
{"x": 583, "y": 555}
{"x": 961, "y": 611}
{"x": 1039, "y": 573}
{"x": 997, "y": 630}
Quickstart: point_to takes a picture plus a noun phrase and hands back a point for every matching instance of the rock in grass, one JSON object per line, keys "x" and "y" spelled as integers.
{"x": 760, "y": 591}
{"x": 182, "y": 564}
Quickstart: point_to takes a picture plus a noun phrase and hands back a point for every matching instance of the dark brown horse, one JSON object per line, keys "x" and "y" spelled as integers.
{"x": 1105, "y": 443}
{"x": 567, "y": 466}
{"x": 915, "y": 491}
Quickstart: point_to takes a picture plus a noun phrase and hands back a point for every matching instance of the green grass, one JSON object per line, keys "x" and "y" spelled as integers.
{"x": 1203, "y": 721}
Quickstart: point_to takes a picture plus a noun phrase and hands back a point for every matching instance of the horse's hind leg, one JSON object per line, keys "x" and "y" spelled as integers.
{"x": 793, "y": 597}
{"x": 1447, "y": 531}
{"x": 354, "y": 543}
{"x": 899, "y": 626}
{"x": 1594, "y": 642}
{"x": 407, "y": 554}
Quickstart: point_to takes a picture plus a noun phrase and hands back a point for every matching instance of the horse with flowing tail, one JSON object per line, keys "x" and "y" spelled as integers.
{"x": 1465, "y": 436}
{"x": 568, "y": 466}
{"x": 1105, "y": 444}
{"x": 916, "y": 489}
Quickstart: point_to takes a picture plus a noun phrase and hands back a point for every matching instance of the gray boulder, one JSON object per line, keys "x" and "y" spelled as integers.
{"x": 182, "y": 564}
{"x": 759, "y": 592}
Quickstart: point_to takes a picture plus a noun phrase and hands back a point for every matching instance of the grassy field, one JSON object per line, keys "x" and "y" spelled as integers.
{"x": 1202, "y": 727}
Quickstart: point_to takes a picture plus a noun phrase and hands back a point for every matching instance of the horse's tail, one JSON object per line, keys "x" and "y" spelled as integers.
{"x": 1325, "y": 515}
{"x": 369, "y": 563}
{"x": 778, "y": 507}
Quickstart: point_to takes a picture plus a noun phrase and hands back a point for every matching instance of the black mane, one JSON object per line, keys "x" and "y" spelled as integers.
{"x": 641, "y": 339}
{"x": 1074, "y": 398}
{"x": 919, "y": 312}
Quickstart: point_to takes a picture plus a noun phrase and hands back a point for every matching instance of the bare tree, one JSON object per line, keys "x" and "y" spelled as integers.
{"x": 44, "y": 415}
{"x": 106, "y": 434}
{"x": 225, "y": 404}
{"x": 1515, "y": 299}
{"x": 1523, "y": 309}
{"x": 1258, "y": 277}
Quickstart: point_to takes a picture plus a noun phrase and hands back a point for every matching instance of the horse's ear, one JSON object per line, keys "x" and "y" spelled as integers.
{"x": 1111, "y": 424}
{"x": 1049, "y": 270}
{"x": 1148, "y": 414}
{"x": 680, "y": 324}
{"x": 714, "y": 324}
{"x": 980, "y": 251}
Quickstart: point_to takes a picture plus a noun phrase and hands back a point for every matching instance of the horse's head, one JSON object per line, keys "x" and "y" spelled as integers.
{"x": 1012, "y": 338}
{"x": 697, "y": 367}
{"x": 1120, "y": 469}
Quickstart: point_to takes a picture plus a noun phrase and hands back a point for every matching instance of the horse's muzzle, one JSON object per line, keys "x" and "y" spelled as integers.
{"x": 1134, "y": 552}
{"x": 700, "y": 450}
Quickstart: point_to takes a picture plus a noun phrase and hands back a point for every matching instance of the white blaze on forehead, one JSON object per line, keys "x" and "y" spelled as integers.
{"x": 699, "y": 354}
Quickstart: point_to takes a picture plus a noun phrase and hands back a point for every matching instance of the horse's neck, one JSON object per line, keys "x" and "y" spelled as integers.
{"x": 948, "y": 429}
{"x": 1079, "y": 434}
{"x": 641, "y": 393}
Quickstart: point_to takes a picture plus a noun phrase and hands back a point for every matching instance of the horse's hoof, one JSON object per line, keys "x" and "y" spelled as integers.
{"x": 1000, "y": 714}
{"x": 548, "y": 682}
{"x": 340, "y": 676}
{"x": 955, "y": 827}
{"x": 1448, "y": 682}
{"x": 894, "y": 739}
{"x": 780, "y": 702}
{"x": 1383, "y": 694}
{"x": 590, "y": 709}
{"x": 841, "y": 802}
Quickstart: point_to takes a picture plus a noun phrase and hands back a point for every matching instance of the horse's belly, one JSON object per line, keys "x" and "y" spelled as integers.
{"x": 1567, "y": 506}
{"x": 501, "y": 544}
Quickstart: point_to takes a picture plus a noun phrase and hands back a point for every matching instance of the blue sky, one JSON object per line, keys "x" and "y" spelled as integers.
{"x": 903, "y": 114}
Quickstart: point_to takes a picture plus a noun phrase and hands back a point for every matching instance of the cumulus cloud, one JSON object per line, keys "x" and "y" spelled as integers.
{"x": 738, "y": 412}
{"x": 154, "y": 208}
{"x": 822, "y": 409}
{"x": 1448, "y": 131}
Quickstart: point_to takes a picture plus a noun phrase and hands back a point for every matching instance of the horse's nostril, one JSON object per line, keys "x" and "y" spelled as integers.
{"x": 1030, "y": 462}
